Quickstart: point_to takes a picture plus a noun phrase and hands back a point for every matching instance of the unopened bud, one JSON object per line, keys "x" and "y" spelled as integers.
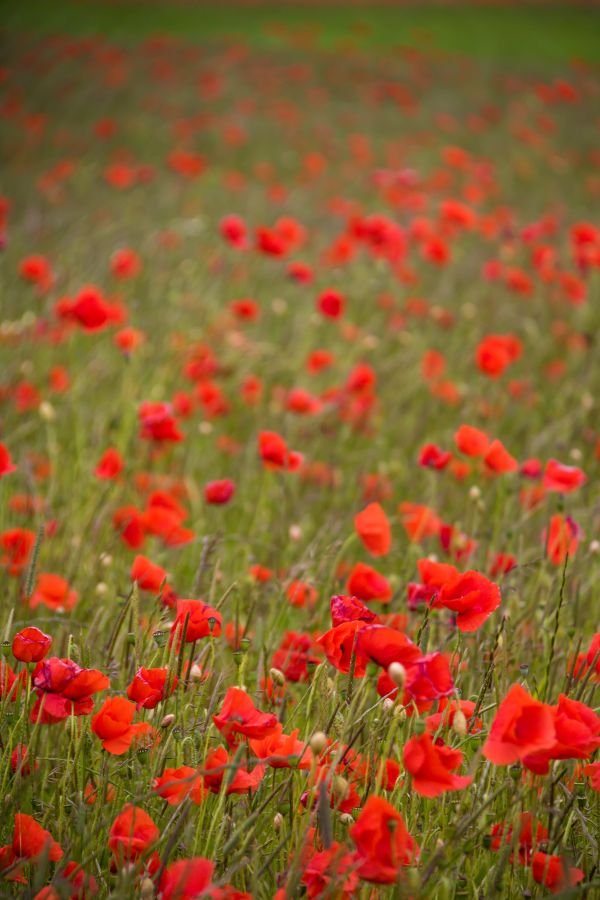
{"x": 101, "y": 588}
{"x": 277, "y": 821}
{"x": 347, "y": 819}
{"x": 474, "y": 492}
{"x": 277, "y": 676}
{"x": 147, "y": 889}
{"x": 594, "y": 547}
{"x": 459, "y": 723}
{"x": 339, "y": 787}
{"x": 47, "y": 411}
{"x": 167, "y": 720}
{"x": 318, "y": 742}
{"x": 397, "y": 674}
{"x": 195, "y": 672}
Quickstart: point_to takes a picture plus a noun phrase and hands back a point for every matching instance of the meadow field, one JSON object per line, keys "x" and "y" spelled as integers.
{"x": 299, "y": 452}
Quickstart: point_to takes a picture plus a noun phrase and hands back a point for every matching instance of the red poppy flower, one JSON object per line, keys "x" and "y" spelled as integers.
{"x": 6, "y": 464}
{"x": 531, "y": 834}
{"x": 522, "y": 727}
{"x": 385, "y": 645}
{"x": 174, "y": 785}
{"x": 471, "y": 441}
{"x": 419, "y": 521}
{"x": 340, "y": 645}
{"x": 498, "y": 459}
{"x": 148, "y": 575}
{"x": 282, "y": 751}
{"x": 331, "y": 304}
{"x": 473, "y": 598}
{"x": 186, "y": 879}
{"x": 17, "y": 545}
{"x": 129, "y": 522}
{"x": 216, "y": 768}
{"x": 346, "y": 609}
{"x": 368, "y": 584}
{"x": 113, "y": 725}
{"x": 382, "y": 842}
{"x": 552, "y": 872}
{"x": 150, "y": 686}
{"x": 496, "y": 352}
{"x": 63, "y": 688}
{"x": 432, "y": 766}
{"x": 132, "y": 833}
{"x": 562, "y": 538}
{"x": 125, "y": 263}
{"x": 238, "y": 715}
{"x": 54, "y": 592}
{"x": 330, "y": 872}
{"x": 561, "y": 478}
{"x": 219, "y": 492}
{"x": 31, "y": 644}
{"x": 158, "y": 423}
{"x": 301, "y": 594}
{"x": 295, "y": 656}
{"x": 577, "y": 735}
{"x": 202, "y": 621}
{"x": 110, "y": 465}
{"x": 373, "y": 528}
{"x": 433, "y": 457}
{"x": 234, "y": 230}
{"x": 274, "y": 452}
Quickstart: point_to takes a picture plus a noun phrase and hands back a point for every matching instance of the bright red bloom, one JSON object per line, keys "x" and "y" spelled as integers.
{"x": 148, "y": 575}
{"x": 433, "y": 457}
{"x": 562, "y": 538}
{"x": 54, "y": 592}
{"x": 471, "y": 441}
{"x": 368, "y": 584}
{"x": 531, "y": 834}
{"x": 186, "y": 879}
{"x": 428, "y": 679}
{"x": 498, "y": 459}
{"x": 31, "y": 644}
{"x": 282, "y": 751}
{"x": 563, "y": 479}
{"x": 132, "y": 833}
{"x": 340, "y": 645}
{"x": 125, "y": 263}
{"x": 64, "y": 689}
{"x": 473, "y": 598}
{"x": 496, "y": 352}
{"x": 238, "y": 715}
{"x": 385, "y": 645}
{"x": 30, "y": 840}
{"x": 522, "y": 727}
{"x": 17, "y": 545}
{"x": 215, "y": 769}
{"x": 6, "y": 464}
{"x": 110, "y": 465}
{"x": 150, "y": 686}
{"x": 577, "y": 735}
{"x": 202, "y": 621}
{"x": 373, "y": 528}
{"x": 274, "y": 452}
{"x": 419, "y": 521}
{"x": 158, "y": 423}
{"x": 432, "y": 765}
{"x": 593, "y": 773}
{"x": 301, "y": 594}
{"x": 113, "y": 725}
{"x": 346, "y": 609}
{"x": 330, "y": 873}
{"x": 234, "y": 230}
{"x": 129, "y": 521}
{"x": 219, "y": 492}
{"x": 331, "y": 304}
{"x": 382, "y": 842}
{"x": 295, "y": 655}
{"x": 174, "y": 785}
{"x": 552, "y": 872}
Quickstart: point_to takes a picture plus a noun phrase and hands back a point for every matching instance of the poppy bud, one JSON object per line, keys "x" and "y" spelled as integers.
{"x": 277, "y": 676}
{"x": 167, "y": 720}
{"x": 475, "y": 492}
{"x": 277, "y": 821}
{"x": 397, "y": 673}
{"x": 47, "y": 411}
{"x": 339, "y": 788}
{"x": 101, "y": 588}
{"x": 160, "y": 638}
{"x": 347, "y": 819}
{"x": 147, "y": 889}
{"x": 318, "y": 742}
{"x": 459, "y": 723}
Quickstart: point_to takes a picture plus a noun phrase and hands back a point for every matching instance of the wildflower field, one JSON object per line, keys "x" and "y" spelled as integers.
{"x": 299, "y": 455}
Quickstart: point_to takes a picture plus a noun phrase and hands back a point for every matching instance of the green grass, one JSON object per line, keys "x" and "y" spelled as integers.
{"x": 512, "y": 33}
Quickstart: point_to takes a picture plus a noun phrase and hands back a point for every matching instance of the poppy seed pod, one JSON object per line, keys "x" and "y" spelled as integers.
{"x": 397, "y": 673}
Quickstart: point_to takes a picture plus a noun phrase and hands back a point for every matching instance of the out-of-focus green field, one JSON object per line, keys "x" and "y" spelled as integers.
{"x": 512, "y": 33}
